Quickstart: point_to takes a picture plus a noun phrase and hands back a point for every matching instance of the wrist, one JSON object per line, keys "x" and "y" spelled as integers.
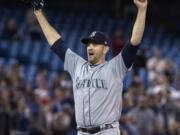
{"x": 38, "y": 12}
{"x": 142, "y": 9}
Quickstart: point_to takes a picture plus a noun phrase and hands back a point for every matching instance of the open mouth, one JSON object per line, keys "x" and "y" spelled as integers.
{"x": 91, "y": 53}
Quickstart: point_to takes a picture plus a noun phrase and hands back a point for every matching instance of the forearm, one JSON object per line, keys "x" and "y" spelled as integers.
{"x": 139, "y": 26}
{"x": 50, "y": 33}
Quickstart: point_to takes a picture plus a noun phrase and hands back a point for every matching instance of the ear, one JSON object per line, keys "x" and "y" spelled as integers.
{"x": 106, "y": 49}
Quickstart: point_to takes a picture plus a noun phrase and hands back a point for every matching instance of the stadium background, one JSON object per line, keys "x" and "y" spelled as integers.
{"x": 35, "y": 93}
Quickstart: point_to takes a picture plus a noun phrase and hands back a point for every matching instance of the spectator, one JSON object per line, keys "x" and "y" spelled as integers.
{"x": 58, "y": 99}
{"x": 37, "y": 118}
{"x": 19, "y": 120}
{"x": 10, "y": 31}
{"x": 62, "y": 124}
{"x": 154, "y": 60}
{"x": 48, "y": 113}
{"x": 127, "y": 102}
{"x": 6, "y": 99}
{"x": 178, "y": 80}
{"x": 15, "y": 76}
{"x": 151, "y": 65}
{"x": 154, "y": 103}
{"x": 131, "y": 126}
{"x": 140, "y": 61}
{"x": 2, "y": 72}
{"x": 117, "y": 41}
{"x": 4, "y": 119}
{"x": 28, "y": 93}
{"x": 143, "y": 116}
{"x": 63, "y": 81}
{"x": 165, "y": 65}
{"x": 42, "y": 90}
{"x": 123, "y": 132}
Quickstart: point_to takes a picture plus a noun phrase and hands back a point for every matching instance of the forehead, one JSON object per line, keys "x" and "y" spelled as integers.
{"x": 95, "y": 44}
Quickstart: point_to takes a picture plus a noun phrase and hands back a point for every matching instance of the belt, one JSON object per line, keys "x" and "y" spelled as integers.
{"x": 94, "y": 130}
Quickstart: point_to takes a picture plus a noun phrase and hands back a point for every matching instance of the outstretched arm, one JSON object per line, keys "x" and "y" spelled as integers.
{"x": 138, "y": 29}
{"x": 130, "y": 50}
{"x": 52, "y": 36}
{"x": 50, "y": 33}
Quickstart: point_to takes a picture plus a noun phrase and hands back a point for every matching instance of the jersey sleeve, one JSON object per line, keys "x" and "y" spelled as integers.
{"x": 72, "y": 61}
{"x": 124, "y": 60}
{"x": 118, "y": 67}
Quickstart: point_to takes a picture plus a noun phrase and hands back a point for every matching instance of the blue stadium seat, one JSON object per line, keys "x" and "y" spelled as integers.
{"x": 14, "y": 49}
{"x": 26, "y": 52}
{"x": 4, "y": 49}
{"x": 56, "y": 63}
{"x": 51, "y": 77}
{"x": 143, "y": 75}
{"x": 127, "y": 80}
{"x": 31, "y": 72}
{"x": 36, "y": 52}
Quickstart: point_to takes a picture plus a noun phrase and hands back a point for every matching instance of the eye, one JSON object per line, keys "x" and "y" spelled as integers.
{"x": 87, "y": 45}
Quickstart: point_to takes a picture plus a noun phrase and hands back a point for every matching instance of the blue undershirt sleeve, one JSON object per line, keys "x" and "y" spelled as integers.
{"x": 129, "y": 54}
{"x": 59, "y": 48}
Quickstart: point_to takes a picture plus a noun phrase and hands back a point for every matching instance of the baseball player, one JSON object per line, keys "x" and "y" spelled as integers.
{"x": 97, "y": 83}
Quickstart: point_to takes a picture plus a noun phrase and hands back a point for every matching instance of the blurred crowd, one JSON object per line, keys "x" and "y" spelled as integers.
{"x": 40, "y": 108}
{"x": 28, "y": 108}
{"x": 152, "y": 110}
{"x": 11, "y": 32}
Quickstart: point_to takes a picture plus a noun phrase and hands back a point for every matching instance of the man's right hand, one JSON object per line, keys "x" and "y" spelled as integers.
{"x": 36, "y": 4}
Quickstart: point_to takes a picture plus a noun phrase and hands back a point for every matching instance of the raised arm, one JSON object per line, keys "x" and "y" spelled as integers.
{"x": 52, "y": 36}
{"x": 130, "y": 50}
{"x": 50, "y": 33}
{"x": 138, "y": 29}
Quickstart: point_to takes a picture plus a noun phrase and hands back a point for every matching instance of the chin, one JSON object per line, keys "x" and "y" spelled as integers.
{"x": 91, "y": 61}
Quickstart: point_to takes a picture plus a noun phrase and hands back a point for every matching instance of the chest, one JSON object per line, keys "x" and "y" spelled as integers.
{"x": 94, "y": 78}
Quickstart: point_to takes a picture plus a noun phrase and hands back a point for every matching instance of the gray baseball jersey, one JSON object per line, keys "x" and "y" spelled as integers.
{"x": 97, "y": 90}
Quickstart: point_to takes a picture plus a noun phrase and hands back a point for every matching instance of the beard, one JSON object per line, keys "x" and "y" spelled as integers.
{"x": 92, "y": 60}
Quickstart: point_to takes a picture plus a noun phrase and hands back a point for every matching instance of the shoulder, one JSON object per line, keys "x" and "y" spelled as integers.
{"x": 73, "y": 55}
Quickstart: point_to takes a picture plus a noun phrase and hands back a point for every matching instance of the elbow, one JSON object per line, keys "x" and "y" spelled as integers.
{"x": 136, "y": 41}
{"x": 51, "y": 40}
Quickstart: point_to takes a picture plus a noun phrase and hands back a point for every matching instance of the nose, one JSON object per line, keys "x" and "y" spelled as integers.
{"x": 90, "y": 46}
